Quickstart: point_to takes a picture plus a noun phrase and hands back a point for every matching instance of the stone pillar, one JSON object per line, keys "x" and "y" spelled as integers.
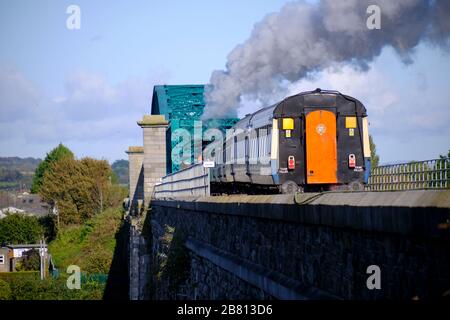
{"x": 136, "y": 177}
{"x": 154, "y": 131}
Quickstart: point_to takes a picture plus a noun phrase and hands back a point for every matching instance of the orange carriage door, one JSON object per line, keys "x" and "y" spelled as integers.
{"x": 321, "y": 151}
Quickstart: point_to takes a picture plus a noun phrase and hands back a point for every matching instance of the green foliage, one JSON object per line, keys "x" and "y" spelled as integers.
{"x": 5, "y": 185}
{"x": 80, "y": 188}
{"x": 53, "y": 156}
{"x": 176, "y": 269}
{"x": 120, "y": 169}
{"x": 27, "y": 286}
{"x": 17, "y": 173}
{"x": 20, "y": 229}
{"x": 19, "y": 164}
{"x": 445, "y": 156}
{"x": 30, "y": 261}
{"x": 116, "y": 194}
{"x": 5, "y": 290}
{"x": 374, "y": 157}
{"x": 10, "y": 175}
{"x": 48, "y": 224}
{"x": 11, "y": 276}
{"x": 90, "y": 246}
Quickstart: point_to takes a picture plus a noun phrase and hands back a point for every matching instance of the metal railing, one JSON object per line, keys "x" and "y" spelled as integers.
{"x": 430, "y": 174}
{"x": 192, "y": 181}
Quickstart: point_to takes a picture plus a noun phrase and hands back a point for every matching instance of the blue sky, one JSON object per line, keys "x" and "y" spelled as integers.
{"x": 86, "y": 88}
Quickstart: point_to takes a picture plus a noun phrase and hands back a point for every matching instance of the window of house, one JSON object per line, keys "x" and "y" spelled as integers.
{"x": 2, "y": 259}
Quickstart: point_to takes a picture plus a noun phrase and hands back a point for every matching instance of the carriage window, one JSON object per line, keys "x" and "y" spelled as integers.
{"x": 235, "y": 149}
{"x": 224, "y": 153}
{"x": 2, "y": 259}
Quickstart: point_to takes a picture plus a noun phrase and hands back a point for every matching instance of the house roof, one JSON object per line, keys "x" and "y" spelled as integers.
{"x": 28, "y": 203}
{"x": 24, "y": 246}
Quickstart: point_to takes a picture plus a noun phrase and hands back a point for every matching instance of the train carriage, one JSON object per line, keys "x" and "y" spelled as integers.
{"x": 311, "y": 141}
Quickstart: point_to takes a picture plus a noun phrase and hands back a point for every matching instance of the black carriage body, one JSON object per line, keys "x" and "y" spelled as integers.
{"x": 263, "y": 134}
{"x": 298, "y": 107}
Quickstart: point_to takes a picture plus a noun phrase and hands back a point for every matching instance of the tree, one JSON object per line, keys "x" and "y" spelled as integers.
{"x": 18, "y": 228}
{"x": 59, "y": 187}
{"x": 100, "y": 174}
{"x": 443, "y": 165}
{"x": 57, "y": 153}
{"x": 79, "y": 188}
{"x": 48, "y": 223}
{"x": 120, "y": 168}
{"x": 445, "y": 156}
{"x": 375, "y": 158}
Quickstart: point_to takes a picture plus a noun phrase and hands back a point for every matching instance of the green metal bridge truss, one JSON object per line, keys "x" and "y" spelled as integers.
{"x": 182, "y": 105}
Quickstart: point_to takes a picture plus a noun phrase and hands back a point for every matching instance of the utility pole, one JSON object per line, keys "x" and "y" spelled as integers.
{"x": 41, "y": 258}
{"x": 56, "y": 212}
{"x": 101, "y": 199}
{"x": 100, "y": 193}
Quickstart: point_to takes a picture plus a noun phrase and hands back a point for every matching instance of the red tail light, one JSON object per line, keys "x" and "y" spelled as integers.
{"x": 291, "y": 163}
{"x": 351, "y": 160}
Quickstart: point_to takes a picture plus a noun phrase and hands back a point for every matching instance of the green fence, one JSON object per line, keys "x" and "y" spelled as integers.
{"x": 93, "y": 277}
{"x": 429, "y": 174}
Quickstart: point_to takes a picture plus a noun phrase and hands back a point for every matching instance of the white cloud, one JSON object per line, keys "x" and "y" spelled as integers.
{"x": 90, "y": 96}
{"x": 19, "y": 97}
{"x": 370, "y": 87}
{"x": 90, "y": 111}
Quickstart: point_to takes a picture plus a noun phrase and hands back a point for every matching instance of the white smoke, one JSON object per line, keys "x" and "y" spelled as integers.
{"x": 305, "y": 38}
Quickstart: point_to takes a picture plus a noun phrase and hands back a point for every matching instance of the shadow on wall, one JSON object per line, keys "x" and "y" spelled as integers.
{"x": 138, "y": 194}
{"x": 117, "y": 286}
{"x": 171, "y": 263}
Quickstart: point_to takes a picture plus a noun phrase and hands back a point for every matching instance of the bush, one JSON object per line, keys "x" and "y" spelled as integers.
{"x": 5, "y": 290}
{"x": 48, "y": 224}
{"x": 90, "y": 246}
{"x": 28, "y": 286}
{"x": 20, "y": 229}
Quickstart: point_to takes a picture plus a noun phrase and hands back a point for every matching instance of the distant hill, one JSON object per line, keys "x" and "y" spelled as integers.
{"x": 17, "y": 173}
{"x": 120, "y": 168}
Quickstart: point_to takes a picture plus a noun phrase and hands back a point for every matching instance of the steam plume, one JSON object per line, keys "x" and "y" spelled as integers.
{"x": 305, "y": 38}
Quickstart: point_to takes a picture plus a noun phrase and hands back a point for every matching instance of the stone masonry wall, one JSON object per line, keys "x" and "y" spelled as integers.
{"x": 240, "y": 256}
{"x": 136, "y": 177}
{"x": 154, "y": 134}
{"x": 209, "y": 281}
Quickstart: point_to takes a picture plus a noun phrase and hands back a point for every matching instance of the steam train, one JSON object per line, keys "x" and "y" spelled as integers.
{"x": 312, "y": 141}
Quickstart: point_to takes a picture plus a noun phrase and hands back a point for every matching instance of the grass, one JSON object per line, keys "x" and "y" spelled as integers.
{"x": 30, "y": 287}
{"x": 7, "y": 276}
{"x": 5, "y": 185}
{"x": 90, "y": 246}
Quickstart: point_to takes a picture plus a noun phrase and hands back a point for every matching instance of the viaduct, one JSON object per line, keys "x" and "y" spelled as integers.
{"x": 335, "y": 245}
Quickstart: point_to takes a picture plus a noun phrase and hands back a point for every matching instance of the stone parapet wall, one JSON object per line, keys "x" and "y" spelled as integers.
{"x": 272, "y": 246}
